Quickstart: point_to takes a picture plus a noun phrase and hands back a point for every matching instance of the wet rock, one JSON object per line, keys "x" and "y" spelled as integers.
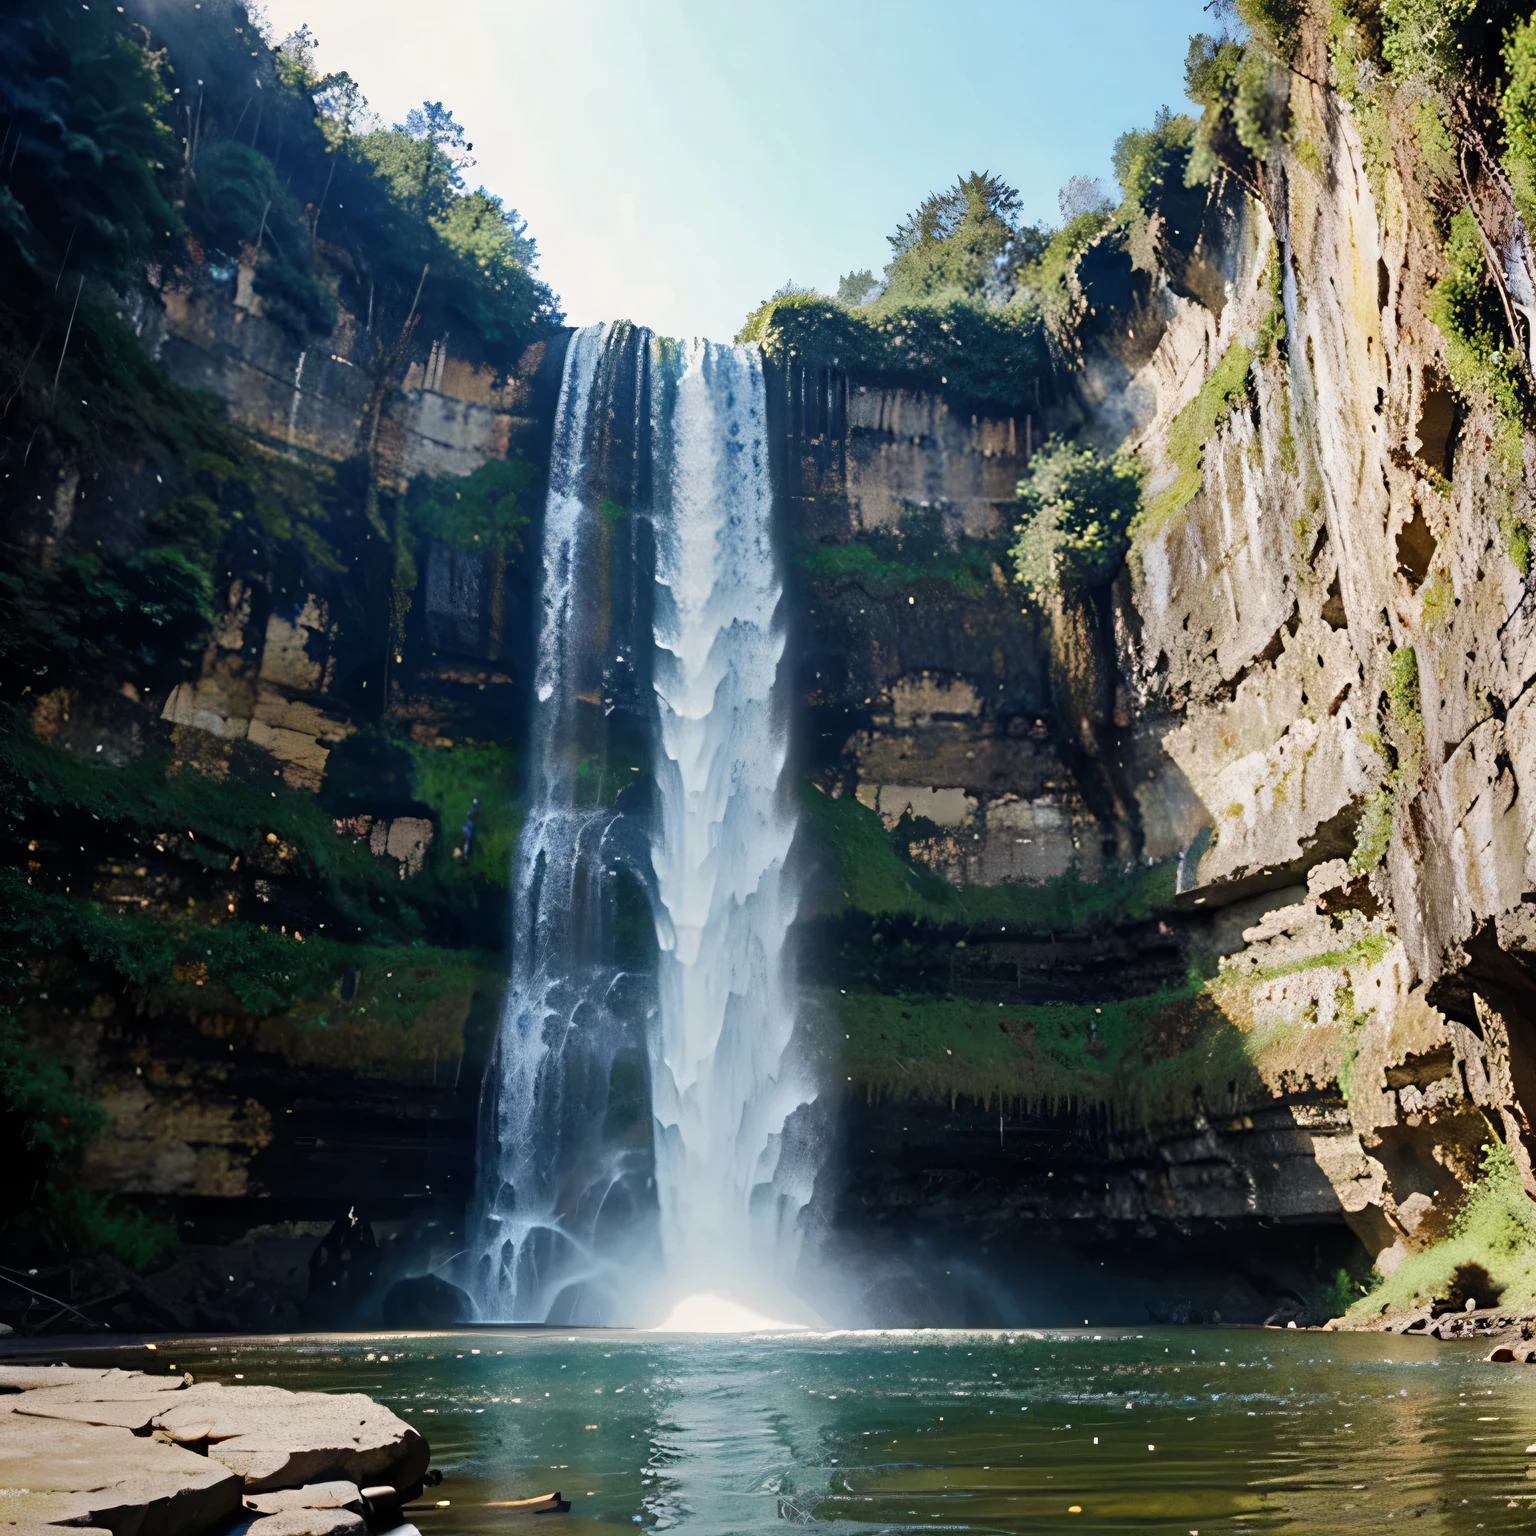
{"x": 342, "y": 1266}
{"x": 426, "y": 1301}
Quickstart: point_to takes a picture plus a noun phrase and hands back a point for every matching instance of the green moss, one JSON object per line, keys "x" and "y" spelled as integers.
{"x": 1518, "y": 109}
{"x": 1435, "y": 141}
{"x": 889, "y": 562}
{"x": 1368, "y": 949}
{"x": 1491, "y": 1247}
{"x": 1516, "y": 536}
{"x": 1465, "y": 308}
{"x": 873, "y": 878}
{"x": 1407, "y": 711}
{"x": 1149, "y": 1059}
{"x": 1190, "y": 431}
{"x": 1404, "y": 728}
{"x": 450, "y": 780}
{"x": 1271, "y": 333}
{"x": 1308, "y": 156}
{"x": 1373, "y": 832}
{"x": 1351, "y": 1021}
{"x": 1437, "y": 602}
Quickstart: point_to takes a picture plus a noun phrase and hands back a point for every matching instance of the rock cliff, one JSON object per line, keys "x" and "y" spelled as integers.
{"x": 1179, "y": 927}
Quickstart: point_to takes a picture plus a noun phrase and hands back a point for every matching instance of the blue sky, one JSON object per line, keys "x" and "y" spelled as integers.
{"x": 678, "y": 160}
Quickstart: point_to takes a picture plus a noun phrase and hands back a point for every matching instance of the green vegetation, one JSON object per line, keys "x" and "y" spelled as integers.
{"x": 873, "y": 877}
{"x": 1404, "y": 730}
{"x": 206, "y": 821}
{"x": 1519, "y": 114}
{"x": 1244, "y": 90}
{"x": 1488, "y": 1254}
{"x": 185, "y": 962}
{"x": 992, "y": 357}
{"x": 1437, "y": 602}
{"x": 1405, "y": 724}
{"x": 1271, "y": 336}
{"x": 1464, "y": 305}
{"x": 1373, "y": 832}
{"x": 1367, "y": 949}
{"x": 1150, "y": 1059}
{"x": 1078, "y": 509}
{"x": 45, "y": 1125}
{"x": 450, "y": 780}
{"x": 1193, "y": 427}
{"x": 483, "y": 513}
{"x": 959, "y": 244}
{"x": 1151, "y": 164}
{"x": 888, "y": 561}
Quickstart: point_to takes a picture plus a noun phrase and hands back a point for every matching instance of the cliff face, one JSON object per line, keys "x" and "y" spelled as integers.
{"x": 388, "y": 723}
{"x": 1318, "y": 706}
{"x": 1180, "y": 930}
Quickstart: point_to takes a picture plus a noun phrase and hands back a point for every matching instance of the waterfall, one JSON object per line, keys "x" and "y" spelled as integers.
{"x": 635, "y": 1106}
{"x": 724, "y": 905}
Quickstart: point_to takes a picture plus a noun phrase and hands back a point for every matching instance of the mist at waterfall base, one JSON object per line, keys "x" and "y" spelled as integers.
{"x": 637, "y": 1162}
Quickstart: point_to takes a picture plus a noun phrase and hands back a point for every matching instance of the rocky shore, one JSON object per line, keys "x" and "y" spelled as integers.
{"x": 140, "y": 1455}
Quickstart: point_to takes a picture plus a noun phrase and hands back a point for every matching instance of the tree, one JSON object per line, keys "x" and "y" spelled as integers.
{"x": 962, "y": 242}
{"x": 1080, "y": 195}
{"x": 857, "y": 289}
{"x": 434, "y": 123}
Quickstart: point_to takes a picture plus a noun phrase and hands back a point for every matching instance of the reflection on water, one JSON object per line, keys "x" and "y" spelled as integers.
{"x": 1172, "y": 1431}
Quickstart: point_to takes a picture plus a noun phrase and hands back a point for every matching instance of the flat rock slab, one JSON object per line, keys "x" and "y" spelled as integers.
{"x": 109, "y": 1449}
{"x": 54, "y": 1473}
{"x": 126, "y": 1399}
{"x": 310, "y": 1522}
{"x": 24, "y": 1378}
{"x": 335, "y": 1495}
{"x": 279, "y": 1439}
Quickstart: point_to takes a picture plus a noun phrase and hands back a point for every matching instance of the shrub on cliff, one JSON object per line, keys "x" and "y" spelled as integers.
{"x": 1465, "y": 307}
{"x": 235, "y": 200}
{"x": 1078, "y": 510}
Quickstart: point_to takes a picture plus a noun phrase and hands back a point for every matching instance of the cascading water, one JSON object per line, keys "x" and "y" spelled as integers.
{"x": 720, "y": 1089}
{"x": 635, "y": 1110}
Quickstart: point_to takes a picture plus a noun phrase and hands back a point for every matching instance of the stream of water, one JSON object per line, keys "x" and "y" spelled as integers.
{"x": 1165, "y": 1432}
{"x": 631, "y": 1156}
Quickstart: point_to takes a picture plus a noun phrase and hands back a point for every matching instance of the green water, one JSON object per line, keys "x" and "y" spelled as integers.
{"x": 1165, "y": 1431}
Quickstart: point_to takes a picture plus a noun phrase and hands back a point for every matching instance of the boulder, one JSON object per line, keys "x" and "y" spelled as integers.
{"x": 85, "y": 1474}
{"x": 425, "y": 1301}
